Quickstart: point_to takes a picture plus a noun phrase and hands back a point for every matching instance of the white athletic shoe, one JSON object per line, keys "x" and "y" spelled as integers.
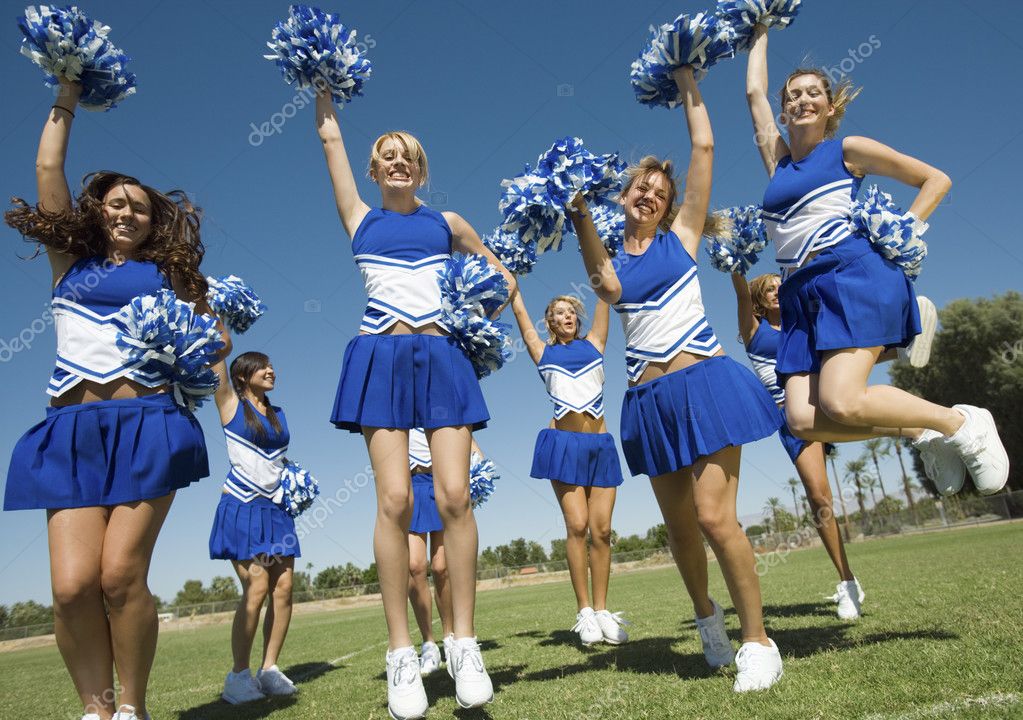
{"x": 429, "y": 658}
{"x": 759, "y": 667}
{"x": 406, "y": 698}
{"x": 273, "y": 682}
{"x": 919, "y": 351}
{"x": 847, "y": 595}
{"x": 610, "y": 625}
{"x": 449, "y": 651}
{"x": 587, "y": 628}
{"x": 942, "y": 463}
{"x": 125, "y": 712}
{"x": 717, "y": 648}
{"x": 241, "y": 687}
{"x": 90, "y": 716}
{"x": 981, "y": 449}
{"x": 860, "y": 595}
{"x": 472, "y": 684}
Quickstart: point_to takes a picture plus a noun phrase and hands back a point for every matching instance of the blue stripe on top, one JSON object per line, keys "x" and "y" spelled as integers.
{"x": 574, "y": 375}
{"x": 255, "y": 462}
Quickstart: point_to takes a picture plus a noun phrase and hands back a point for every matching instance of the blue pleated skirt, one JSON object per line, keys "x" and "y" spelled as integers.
{"x": 244, "y": 530}
{"x": 107, "y": 452}
{"x": 576, "y": 458}
{"x": 849, "y": 296}
{"x": 671, "y": 422}
{"x": 425, "y": 517}
{"x": 793, "y": 445}
{"x": 407, "y": 381}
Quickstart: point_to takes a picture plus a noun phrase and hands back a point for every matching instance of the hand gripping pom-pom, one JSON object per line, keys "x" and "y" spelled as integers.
{"x": 744, "y": 15}
{"x": 517, "y": 257}
{"x": 297, "y": 489}
{"x": 699, "y": 41}
{"x": 314, "y": 49}
{"x": 65, "y": 43}
{"x": 482, "y": 475}
{"x": 895, "y": 234}
{"x": 471, "y": 291}
{"x": 236, "y": 303}
{"x": 739, "y": 248}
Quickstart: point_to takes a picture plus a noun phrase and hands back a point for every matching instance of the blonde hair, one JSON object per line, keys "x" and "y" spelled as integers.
{"x": 758, "y": 289}
{"x": 548, "y": 316}
{"x": 411, "y": 145}
{"x": 839, "y": 95}
{"x": 712, "y": 225}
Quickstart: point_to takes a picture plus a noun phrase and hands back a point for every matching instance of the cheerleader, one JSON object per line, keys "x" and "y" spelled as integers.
{"x": 577, "y": 454}
{"x": 843, "y": 303}
{"x": 115, "y": 446}
{"x": 404, "y": 371}
{"x": 689, "y": 408}
{"x": 252, "y": 530}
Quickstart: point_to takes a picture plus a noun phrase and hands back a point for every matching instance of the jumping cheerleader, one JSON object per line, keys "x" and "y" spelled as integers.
{"x": 843, "y": 303}
{"x": 252, "y": 530}
{"x": 576, "y": 453}
{"x": 689, "y": 408}
{"x": 404, "y": 371}
{"x": 114, "y": 447}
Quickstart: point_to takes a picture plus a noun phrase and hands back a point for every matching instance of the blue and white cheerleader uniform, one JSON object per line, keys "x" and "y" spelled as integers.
{"x": 425, "y": 516}
{"x": 412, "y": 380}
{"x": 672, "y": 421}
{"x": 574, "y": 375}
{"x": 849, "y": 295}
{"x": 105, "y": 452}
{"x": 250, "y": 519}
{"x": 762, "y": 351}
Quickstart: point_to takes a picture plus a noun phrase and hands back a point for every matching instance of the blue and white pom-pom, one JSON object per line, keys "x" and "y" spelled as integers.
{"x": 482, "y": 474}
{"x": 297, "y": 490}
{"x": 164, "y": 336}
{"x": 895, "y": 234}
{"x": 699, "y": 41}
{"x": 471, "y": 290}
{"x": 609, "y": 220}
{"x": 315, "y": 49}
{"x": 64, "y": 42}
{"x": 531, "y": 212}
{"x": 236, "y": 303}
{"x": 744, "y": 15}
{"x": 740, "y": 249}
{"x": 517, "y": 257}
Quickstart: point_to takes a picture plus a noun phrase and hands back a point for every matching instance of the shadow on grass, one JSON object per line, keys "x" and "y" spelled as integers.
{"x": 304, "y": 672}
{"x": 218, "y": 709}
{"x": 649, "y": 655}
{"x": 821, "y": 609}
{"x": 804, "y": 642}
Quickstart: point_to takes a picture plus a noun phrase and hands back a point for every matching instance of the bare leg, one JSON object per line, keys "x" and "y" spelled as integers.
{"x": 278, "y": 612}
{"x": 419, "y": 587}
{"x": 813, "y": 473}
{"x": 572, "y": 499}
{"x": 255, "y": 582}
{"x": 439, "y": 568}
{"x": 601, "y": 502}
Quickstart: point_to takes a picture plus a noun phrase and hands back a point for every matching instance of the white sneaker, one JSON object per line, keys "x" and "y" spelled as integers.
{"x": 449, "y": 651}
{"x": 125, "y": 712}
{"x": 273, "y": 682}
{"x": 587, "y": 628}
{"x": 759, "y": 667}
{"x": 919, "y": 351}
{"x": 429, "y": 658}
{"x": 610, "y": 625}
{"x": 981, "y": 449}
{"x": 942, "y": 463}
{"x": 472, "y": 684}
{"x": 406, "y": 698}
{"x": 90, "y": 716}
{"x": 240, "y": 687}
{"x": 847, "y": 595}
{"x": 860, "y": 595}
{"x": 717, "y": 648}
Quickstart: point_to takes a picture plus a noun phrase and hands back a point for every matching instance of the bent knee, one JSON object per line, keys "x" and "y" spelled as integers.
{"x": 70, "y": 591}
{"x": 121, "y": 583}
{"x": 843, "y": 407}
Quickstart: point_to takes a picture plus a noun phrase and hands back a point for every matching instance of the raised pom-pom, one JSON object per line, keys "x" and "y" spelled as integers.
{"x": 699, "y": 41}
{"x": 64, "y": 42}
{"x": 471, "y": 290}
{"x": 609, "y": 220}
{"x": 236, "y": 303}
{"x": 895, "y": 234}
{"x": 482, "y": 475}
{"x": 744, "y": 15}
{"x": 315, "y": 49}
{"x": 297, "y": 489}
{"x": 738, "y": 247}
{"x": 517, "y": 257}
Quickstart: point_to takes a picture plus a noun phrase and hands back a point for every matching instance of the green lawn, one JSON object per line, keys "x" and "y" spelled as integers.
{"x": 941, "y": 637}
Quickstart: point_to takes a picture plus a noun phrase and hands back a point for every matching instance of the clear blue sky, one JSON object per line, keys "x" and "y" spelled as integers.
{"x": 486, "y": 87}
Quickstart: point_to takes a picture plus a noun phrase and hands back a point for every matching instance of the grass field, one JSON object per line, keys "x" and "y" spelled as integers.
{"x": 941, "y": 637}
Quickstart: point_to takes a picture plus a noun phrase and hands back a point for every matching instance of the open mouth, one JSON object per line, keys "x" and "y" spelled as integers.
{"x": 399, "y": 175}
{"x": 124, "y": 227}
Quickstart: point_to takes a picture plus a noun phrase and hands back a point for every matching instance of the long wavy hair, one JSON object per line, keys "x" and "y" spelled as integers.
{"x": 650, "y": 164}
{"x": 241, "y": 370}
{"x": 839, "y": 95}
{"x": 758, "y": 292}
{"x": 173, "y": 241}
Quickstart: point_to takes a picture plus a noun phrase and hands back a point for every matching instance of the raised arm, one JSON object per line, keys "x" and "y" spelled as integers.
{"x": 768, "y": 138}
{"x": 534, "y": 345}
{"x": 465, "y": 239}
{"x": 688, "y": 223}
{"x": 599, "y": 268}
{"x": 226, "y": 398}
{"x": 747, "y": 319}
{"x": 598, "y": 330}
{"x": 350, "y": 206}
{"x": 54, "y": 194}
{"x": 864, "y": 156}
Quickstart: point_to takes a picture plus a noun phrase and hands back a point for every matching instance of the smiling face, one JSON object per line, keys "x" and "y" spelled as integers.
{"x": 127, "y": 216}
{"x": 770, "y": 296}
{"x": 805, "y": 102}
{"x": 262, "y": 380}
{"x": 398, "y": 163}
{"x": 764, "y": 293}
{"x": 647, "y": 199}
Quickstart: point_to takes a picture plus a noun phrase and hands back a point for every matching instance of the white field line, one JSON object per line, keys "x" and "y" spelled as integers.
{"x": 947, "y": 708}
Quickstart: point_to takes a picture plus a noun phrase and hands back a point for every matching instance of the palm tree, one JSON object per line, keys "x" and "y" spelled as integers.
{"x": 896, "y": 445}
{"x": 878, "y": 447}
{"x": 832, "y": 456}
{"x": 793, "y": 484}
{"x": 855, "y": 469}
{"x": 870, "y": 482}
{"x": 773, "y": 505}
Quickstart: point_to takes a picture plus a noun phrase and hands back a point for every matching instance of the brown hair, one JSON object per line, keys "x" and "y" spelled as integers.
{"x": 241, "y": 370}
{"x": 713, "y": 224}
{"x": 172, "y": 243}
{"x": 839, "y": 96}
{"x": 412, "y": 146}
{"x": 757, "y": 291}
{"x": 548, "y": 316}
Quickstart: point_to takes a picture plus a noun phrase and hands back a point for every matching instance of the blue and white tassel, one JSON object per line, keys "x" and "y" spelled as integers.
{"x": 517, "y": 257}
{"x": 482, "y": 475}
{"x": 895, "y": 234}
{"x": 315, "y": 49}
{"x": 236, "y": 303}
{"x": 297, "y": 489}
{"x": 740, "y": 248}
{"x": 472, "y": 290}
{"x": 64, "y": 42}
{"x": 609, "y": 220}
{"x": 744, "y": 15}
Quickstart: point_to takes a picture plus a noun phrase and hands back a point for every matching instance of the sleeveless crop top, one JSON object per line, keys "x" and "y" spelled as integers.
{"x": 574, "y": 375}
{"x": 763, "y": 354}
{"x": 255, "y": 464}
{"x": 418, "y": 449}
{"x": 399, "y": 256}
{"x": 661, "y": 306}
{"x": 807, "y": 204}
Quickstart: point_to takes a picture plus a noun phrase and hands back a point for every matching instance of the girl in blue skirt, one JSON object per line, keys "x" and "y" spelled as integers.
{"x": 843, "y": 303}
{"x": 251, "y": 528}
{"x": 576, "y": 453}
{"x": 403, "y": 370}
{"x": 114, "y": 447}
{"x": 689, "y": 408}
